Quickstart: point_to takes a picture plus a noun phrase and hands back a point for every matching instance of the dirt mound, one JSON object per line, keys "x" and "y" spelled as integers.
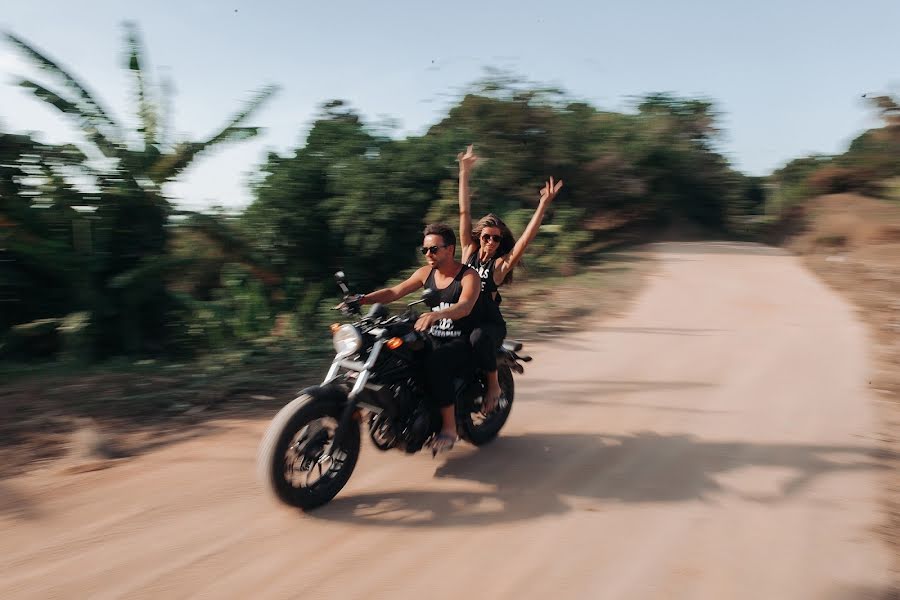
{"x": 848, "y": 222}
{"x": 853, "y": 243}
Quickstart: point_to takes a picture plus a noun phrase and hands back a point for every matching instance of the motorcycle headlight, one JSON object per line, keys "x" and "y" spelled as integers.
{"x": 347, "y": 340}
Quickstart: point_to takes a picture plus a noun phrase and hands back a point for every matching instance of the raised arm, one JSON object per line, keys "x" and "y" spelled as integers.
{"x": 506, "y": 263}
{"x": 388, "y": 295}
{"x": 466, "y": 164}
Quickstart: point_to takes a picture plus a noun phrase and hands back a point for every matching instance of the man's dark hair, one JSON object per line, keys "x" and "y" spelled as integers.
{"x": 442, "y": 230}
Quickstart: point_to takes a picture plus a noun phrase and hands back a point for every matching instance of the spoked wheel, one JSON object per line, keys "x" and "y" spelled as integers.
{"x": 478, "y": 428}
{"x": 294, "y": 459}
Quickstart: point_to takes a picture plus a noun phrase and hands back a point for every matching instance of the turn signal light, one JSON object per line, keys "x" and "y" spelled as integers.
{"x": 394, "y": 343}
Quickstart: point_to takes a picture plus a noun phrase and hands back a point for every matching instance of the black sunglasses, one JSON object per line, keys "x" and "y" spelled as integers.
{"x": 432, "y": 249}
{"x": 486, "y": 236}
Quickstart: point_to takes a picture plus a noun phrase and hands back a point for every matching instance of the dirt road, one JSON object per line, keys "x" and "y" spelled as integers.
{"x": 715, "y": 443}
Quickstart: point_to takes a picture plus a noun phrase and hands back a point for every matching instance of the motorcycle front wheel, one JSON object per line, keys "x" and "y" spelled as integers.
{"x": 293, "y": 462}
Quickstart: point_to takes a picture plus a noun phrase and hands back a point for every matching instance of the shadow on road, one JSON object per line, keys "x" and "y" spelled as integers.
{"x": 540, "y": 474}
{"x": 590, "y": 392}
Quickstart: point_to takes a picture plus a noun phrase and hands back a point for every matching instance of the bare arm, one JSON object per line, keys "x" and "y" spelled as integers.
{"x": 466, "y": 164}
{"x": 388, "y": 295}
{"x": 471, "y": 288}
{"x": 506, "y": 264}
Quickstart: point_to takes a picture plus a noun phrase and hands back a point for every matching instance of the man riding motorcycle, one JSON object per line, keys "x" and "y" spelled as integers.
{"x": 448, "y": 325}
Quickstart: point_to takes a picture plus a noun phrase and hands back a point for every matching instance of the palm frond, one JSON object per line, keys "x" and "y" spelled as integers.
{"x": 85, "y": 100}
{"x": 147, "y": 113}
{"x": 164, "y": 125}
{"x": 234, "y": 246}
{"x": 249, "y": 108}
{"x": 85, "y": 122}
{"x": 171, "y": 165}
{"x": 150, "y": 269}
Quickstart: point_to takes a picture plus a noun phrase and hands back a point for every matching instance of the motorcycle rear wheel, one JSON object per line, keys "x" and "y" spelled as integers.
{"x": 479, "y": 429}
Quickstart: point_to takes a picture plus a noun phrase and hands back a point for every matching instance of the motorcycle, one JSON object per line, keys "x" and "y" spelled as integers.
{"x": 311, "y": 446}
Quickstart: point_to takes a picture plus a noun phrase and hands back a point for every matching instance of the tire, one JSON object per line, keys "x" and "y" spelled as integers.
{"x": 306, "y": 415}
{"x": 485, "y": 429}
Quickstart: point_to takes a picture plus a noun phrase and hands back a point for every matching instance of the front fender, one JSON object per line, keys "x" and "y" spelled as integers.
{"x": 330, "y": 393}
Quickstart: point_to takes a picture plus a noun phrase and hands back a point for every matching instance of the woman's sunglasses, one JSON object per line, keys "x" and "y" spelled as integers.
{"x": 431, "y": 249}
{"x": 485, "y": 237}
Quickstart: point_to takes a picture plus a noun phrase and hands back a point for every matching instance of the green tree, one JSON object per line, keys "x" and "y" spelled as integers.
{"x": 348, "y": 199}
{"x": 124, "y": 270}
{"x": 41, "y": 235}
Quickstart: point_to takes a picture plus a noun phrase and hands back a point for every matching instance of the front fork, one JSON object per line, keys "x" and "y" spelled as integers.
{"x": 341, "y": 432}
{"x": 350, "y": 408}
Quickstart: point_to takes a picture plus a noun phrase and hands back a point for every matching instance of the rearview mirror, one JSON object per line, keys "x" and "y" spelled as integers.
{"x": 341, "y": 280}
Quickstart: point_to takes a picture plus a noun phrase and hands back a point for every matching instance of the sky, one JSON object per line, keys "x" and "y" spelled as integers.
{"x": 787, "y": 76}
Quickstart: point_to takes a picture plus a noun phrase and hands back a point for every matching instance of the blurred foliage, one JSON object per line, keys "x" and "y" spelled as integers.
{"x": 97, "y": 260}
{"x": 86, "y": 227}
{"x": 871, "y": 161}
{"x": 355, "y": 200}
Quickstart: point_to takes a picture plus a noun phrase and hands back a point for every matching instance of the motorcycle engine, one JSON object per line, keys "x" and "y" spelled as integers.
{"x": 381, "y": 431}
{"x": 409, "y": 430}
{"x": 417, "y": 431}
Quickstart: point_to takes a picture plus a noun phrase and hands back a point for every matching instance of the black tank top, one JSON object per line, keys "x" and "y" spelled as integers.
{"x": 449, "y": 328}
{"x": 490, "y": 299}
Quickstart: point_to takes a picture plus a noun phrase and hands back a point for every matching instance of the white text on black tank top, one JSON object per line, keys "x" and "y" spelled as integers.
{"x": 484, "y": 272}
{"x": 444, "y": 327}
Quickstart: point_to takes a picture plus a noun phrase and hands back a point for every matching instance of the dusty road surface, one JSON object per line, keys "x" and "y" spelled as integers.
{"x": 715, "y": 443}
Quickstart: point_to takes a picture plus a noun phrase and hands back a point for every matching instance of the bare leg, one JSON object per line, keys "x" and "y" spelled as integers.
{"x": 493, "y": 393}
{"x": 445, "y": 440}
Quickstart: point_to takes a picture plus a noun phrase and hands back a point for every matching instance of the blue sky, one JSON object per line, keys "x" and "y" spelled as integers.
{"x": 788, "y": 76}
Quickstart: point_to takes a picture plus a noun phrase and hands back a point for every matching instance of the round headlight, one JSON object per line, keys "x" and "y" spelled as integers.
{"x": 347, "y": 340}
